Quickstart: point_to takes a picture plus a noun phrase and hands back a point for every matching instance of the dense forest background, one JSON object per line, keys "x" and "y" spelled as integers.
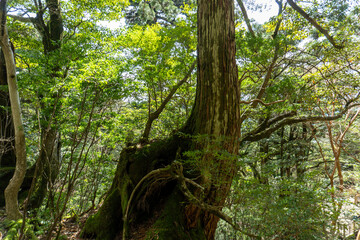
{"x": 184, "y": 119}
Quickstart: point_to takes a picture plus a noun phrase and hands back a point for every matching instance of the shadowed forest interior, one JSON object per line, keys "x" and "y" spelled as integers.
{"x": 180, "y": 119}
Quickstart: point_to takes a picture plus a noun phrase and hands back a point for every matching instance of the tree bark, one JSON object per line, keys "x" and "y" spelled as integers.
{"x": 214, "y": 125}
{"x": 49, "y": 165}
{"x": 216, "y": 113}
{"x": 11, "y": 191}
{"x": 7, "y": 134}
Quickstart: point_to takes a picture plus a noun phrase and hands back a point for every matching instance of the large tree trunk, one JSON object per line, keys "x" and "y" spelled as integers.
{"x": 160, "y": 207}
{"x": 216, "y": 113}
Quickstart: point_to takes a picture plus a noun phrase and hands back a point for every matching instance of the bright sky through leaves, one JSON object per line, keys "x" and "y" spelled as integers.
{"x": 269, "y": 9}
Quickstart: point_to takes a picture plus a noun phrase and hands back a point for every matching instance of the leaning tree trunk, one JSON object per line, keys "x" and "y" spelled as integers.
{"x": 160, "y": 205}
{"x": 7, "y": 139}
{"x": 49, "y": 159}
{"x": 7, "y": 134}
{"x": 12, "y": 189}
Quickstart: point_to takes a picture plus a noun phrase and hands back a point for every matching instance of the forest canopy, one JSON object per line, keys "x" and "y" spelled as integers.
{"x": 179, "y": 119}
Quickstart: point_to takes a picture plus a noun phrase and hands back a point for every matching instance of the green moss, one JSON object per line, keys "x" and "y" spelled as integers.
{"x": 134, "y": 164}
{"x": 124, "y": 193}
{"x": 14, "y": 229}
{"x": 63, "y": 237}
{"x": 171, "y": 223}
{"x": 106, "y": 222}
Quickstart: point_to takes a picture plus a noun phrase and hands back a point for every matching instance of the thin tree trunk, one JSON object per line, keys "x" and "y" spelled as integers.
{"x": 7, "y": 134}
{"x": 11, "y": 191}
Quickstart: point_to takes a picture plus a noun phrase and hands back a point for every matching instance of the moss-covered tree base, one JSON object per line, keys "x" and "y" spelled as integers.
{"x": 106, "y": 223}
{"x": 171, "y": 223}
{"x": 135, "y": 162}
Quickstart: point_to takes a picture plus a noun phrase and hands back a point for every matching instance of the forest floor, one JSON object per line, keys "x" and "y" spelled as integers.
{"x": 348, "y": 221}
{"x": 69, "y": 227}
{"x": 2, "y": 218}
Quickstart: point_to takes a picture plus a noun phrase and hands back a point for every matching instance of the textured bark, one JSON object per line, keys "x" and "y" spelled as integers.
{"x": 216, "y": 111}
{"x": 48, "y": 169}
{"x": 214, "y": 119}
{"x": 134, "y": 163}
{"x": 11, "y": 191}
{"x": 51, "y": 32}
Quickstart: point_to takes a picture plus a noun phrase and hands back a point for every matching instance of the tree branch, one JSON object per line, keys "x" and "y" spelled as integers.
{"x": 12, "y": 189}
{"x": 261, "y": 133}
{"x": 349, "y": 154}
{"x": 278, "y": 24}
{"x": 155, "y": 115}
{"x": 314, "y": 23}
{"x": 246, "y": 17}
{"x": 261, "y": 102}
{"x": 273, "y": 62}
{"x": 22, "y": 19}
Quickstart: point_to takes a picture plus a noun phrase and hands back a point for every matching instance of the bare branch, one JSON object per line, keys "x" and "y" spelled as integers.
{"x": 261, "y": 102}
{"x": 341, "y": 137}
{"x": 270, "y": 69}
{"x": 278, "y": 24}
{"x": 246, "y": 17}
{"x": 22, "y": 19}
{"x": 266, "y": 79}
{"x": 351, "y": 155}
{"x": 275, "y": 58}
{"x": 155, "y": 115}
{"x": 331, "y": 176}
{"x": 261, "y": 133}
{"x": 314, "y": 23}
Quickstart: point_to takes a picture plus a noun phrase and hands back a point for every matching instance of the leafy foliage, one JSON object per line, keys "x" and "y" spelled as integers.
{"x": 108, "y": 81}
